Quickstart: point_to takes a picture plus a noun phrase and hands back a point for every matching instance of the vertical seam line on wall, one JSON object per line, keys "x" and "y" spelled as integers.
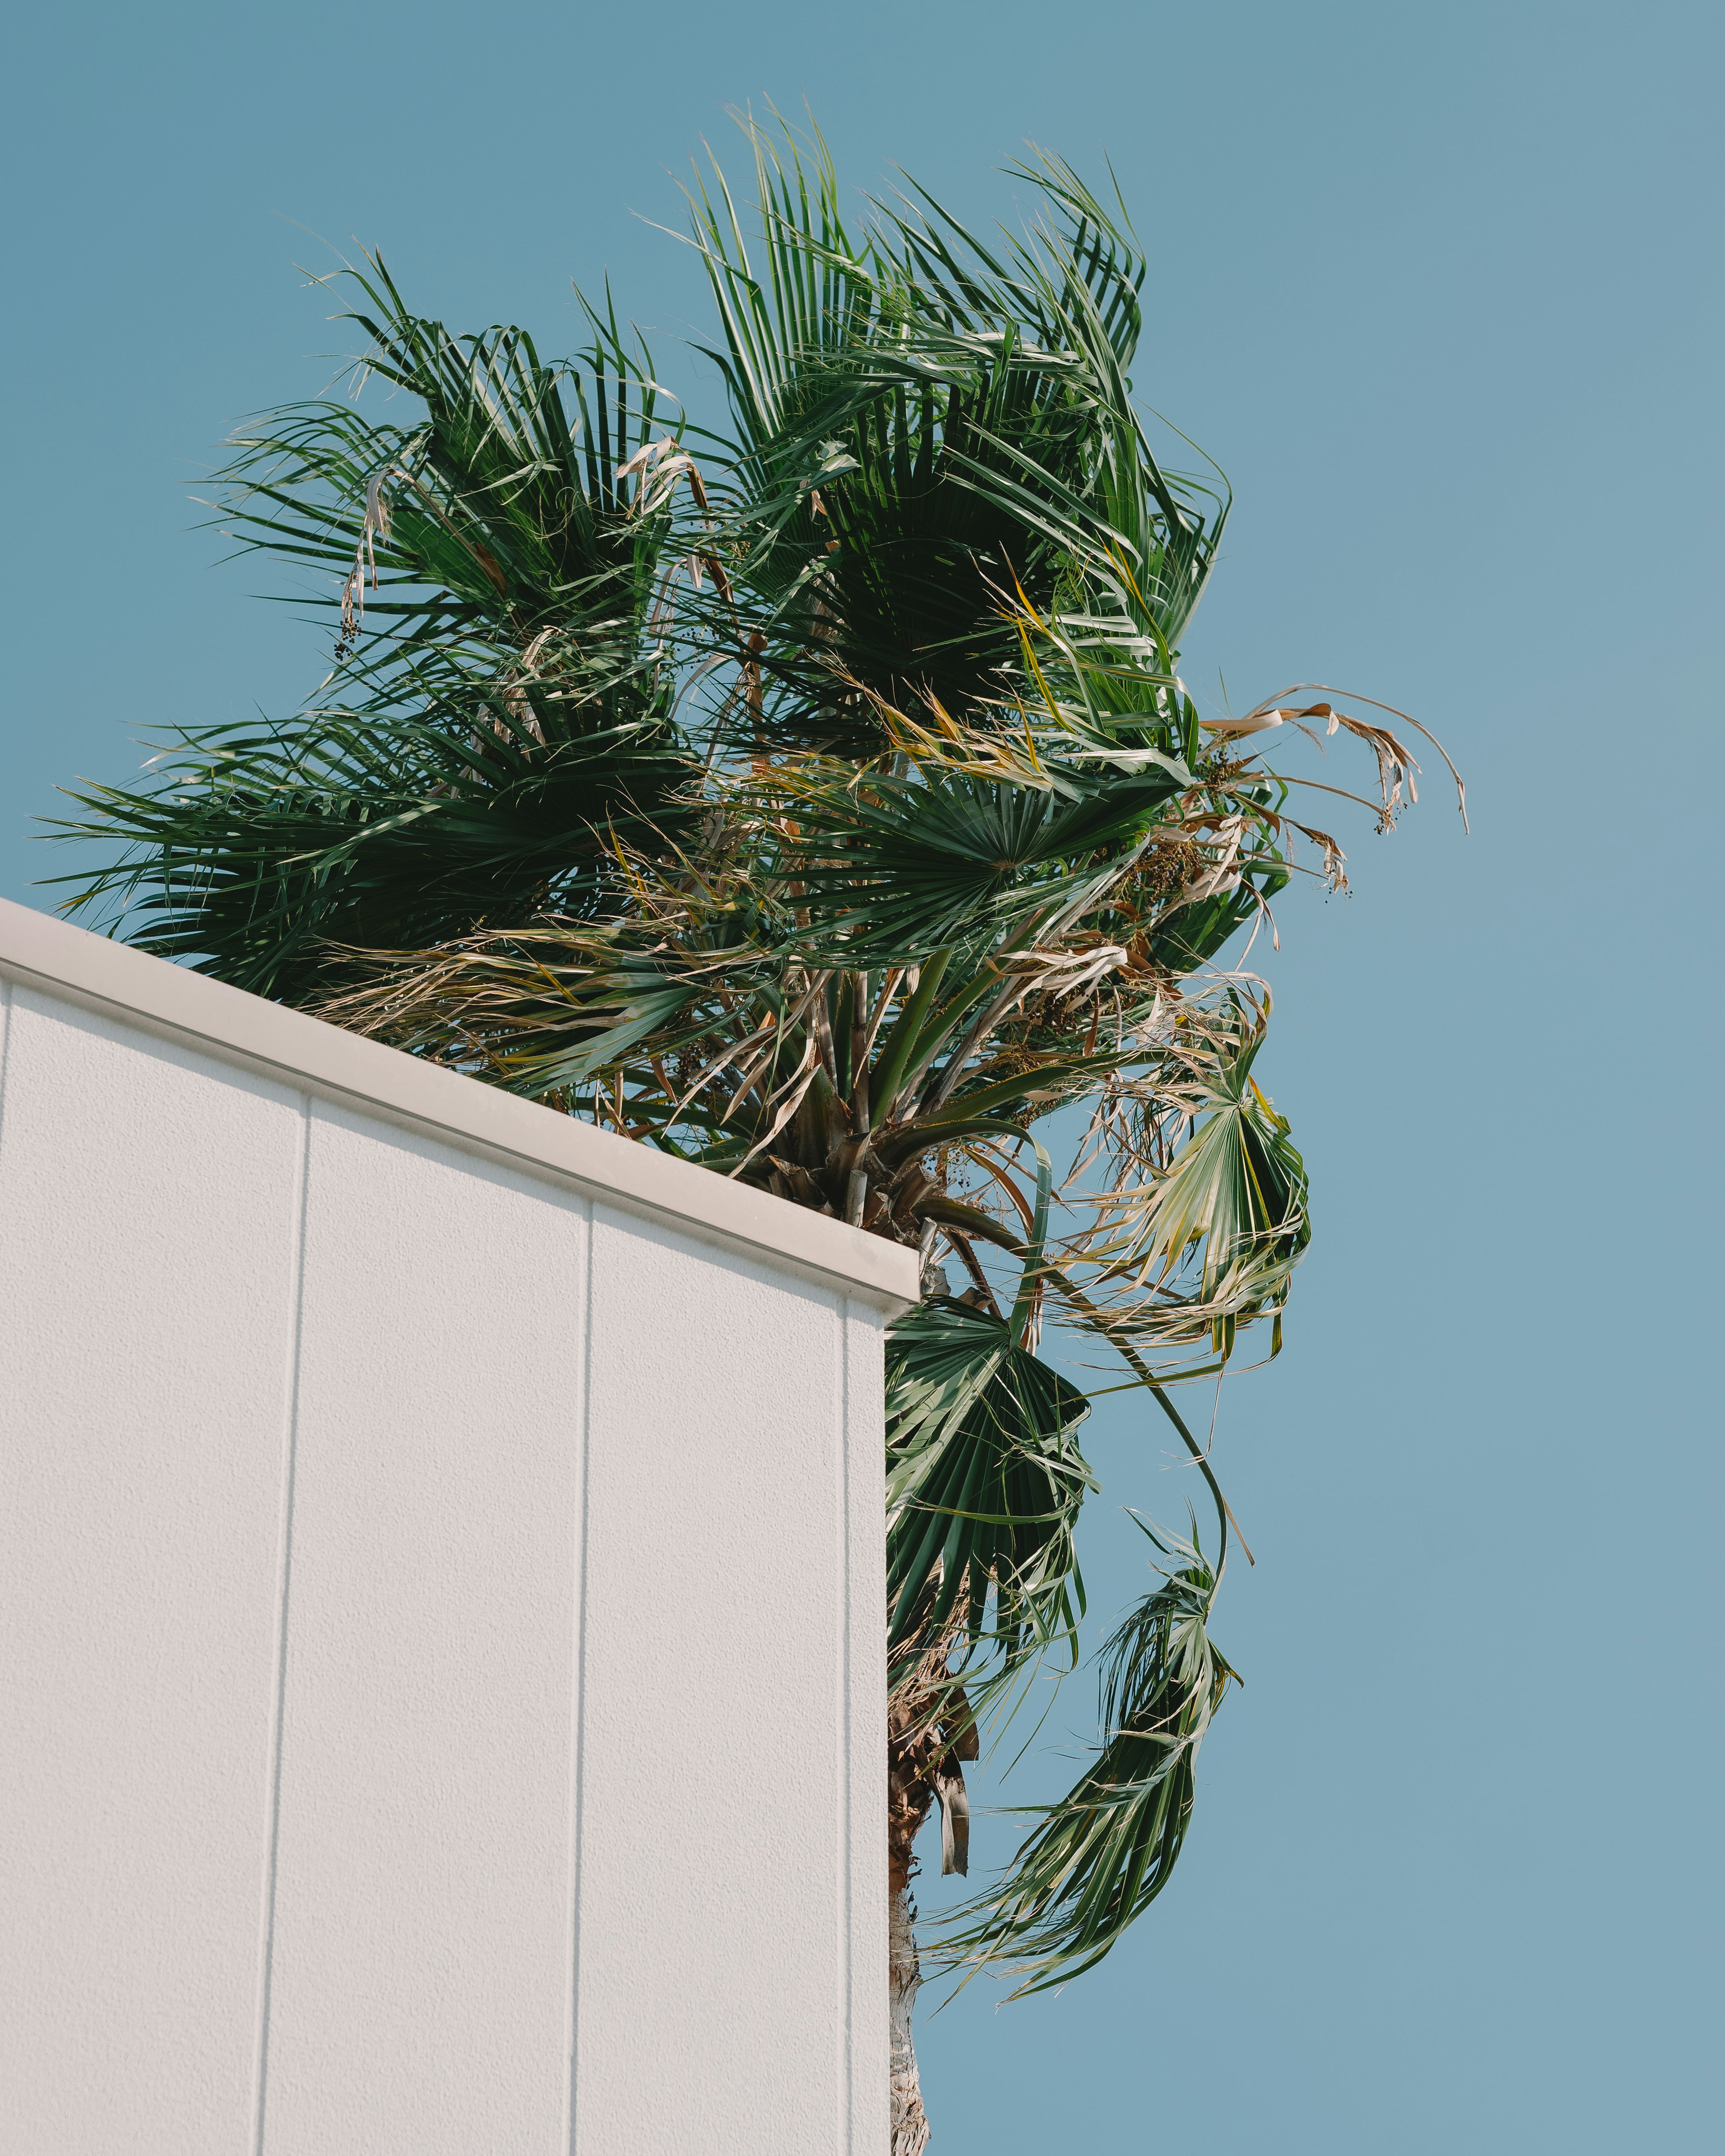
{"x": 847, "y": 1764}
{"x": 296, "y": 1319}
{"x": 5, "y": 1044}
{"x": 577, "y": 1703}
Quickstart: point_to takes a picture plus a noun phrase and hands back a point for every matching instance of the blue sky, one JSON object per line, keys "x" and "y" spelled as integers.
{"x": 1441, "y": 288}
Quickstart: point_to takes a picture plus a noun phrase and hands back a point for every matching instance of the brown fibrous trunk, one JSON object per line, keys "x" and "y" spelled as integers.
{"x": 929, "y": 1731}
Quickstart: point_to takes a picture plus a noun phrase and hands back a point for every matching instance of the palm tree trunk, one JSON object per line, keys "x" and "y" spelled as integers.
{"x": 910, "y": 2122}
{"x": 911, "y": 1749}
{"x": 923, "y": 1748}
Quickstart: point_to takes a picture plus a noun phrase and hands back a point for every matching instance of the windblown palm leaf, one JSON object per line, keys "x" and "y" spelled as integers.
{"x": 502, "y": 703}
{"x": 923, "y": 426}
{"x": 1210, "y": 1236}
{"x": 1101, "y": 1855}
{"x": 983, "y": 1484}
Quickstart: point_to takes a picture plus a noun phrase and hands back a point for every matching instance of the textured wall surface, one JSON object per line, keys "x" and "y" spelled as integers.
{"x": 441, "y": 1634}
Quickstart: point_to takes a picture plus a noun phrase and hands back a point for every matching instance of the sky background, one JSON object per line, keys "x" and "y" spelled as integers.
{"x": 1440, "y": 287}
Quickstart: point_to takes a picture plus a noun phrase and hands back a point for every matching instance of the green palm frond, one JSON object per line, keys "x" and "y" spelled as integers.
{"x": 984, "y": 1481}
{"x": 922, "y": 425}
{"x": 895, "y": 868}
{"x": 1210, "y": 1239}
{"x": 503, "y": 704}
{"x": 254, "y": 849}
{"x": 517, "y": 502}
{"x": 1099, "y": 1857}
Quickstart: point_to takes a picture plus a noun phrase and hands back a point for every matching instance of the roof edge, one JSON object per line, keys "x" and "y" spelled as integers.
{"x": 37, "y": 949}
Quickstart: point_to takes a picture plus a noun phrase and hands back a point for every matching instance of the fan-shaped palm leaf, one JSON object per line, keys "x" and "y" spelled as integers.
{"x": 1101, "y": 1855}
{"x": 984, "y": 1481}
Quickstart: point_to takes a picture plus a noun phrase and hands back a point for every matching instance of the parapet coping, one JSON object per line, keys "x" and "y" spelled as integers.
{"x": 39, "y": 950}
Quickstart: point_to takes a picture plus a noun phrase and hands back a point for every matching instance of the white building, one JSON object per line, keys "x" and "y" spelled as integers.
{"x": 442, "y": 1636}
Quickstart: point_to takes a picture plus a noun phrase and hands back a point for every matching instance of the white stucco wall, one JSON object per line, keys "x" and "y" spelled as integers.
{"x": 441, "y": 1608}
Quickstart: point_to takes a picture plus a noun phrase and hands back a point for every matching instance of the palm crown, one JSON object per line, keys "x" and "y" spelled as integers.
{"x": 817, "y": 798}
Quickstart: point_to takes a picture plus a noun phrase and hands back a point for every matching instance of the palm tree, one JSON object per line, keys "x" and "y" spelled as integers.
{"x": 817, "y": 799}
